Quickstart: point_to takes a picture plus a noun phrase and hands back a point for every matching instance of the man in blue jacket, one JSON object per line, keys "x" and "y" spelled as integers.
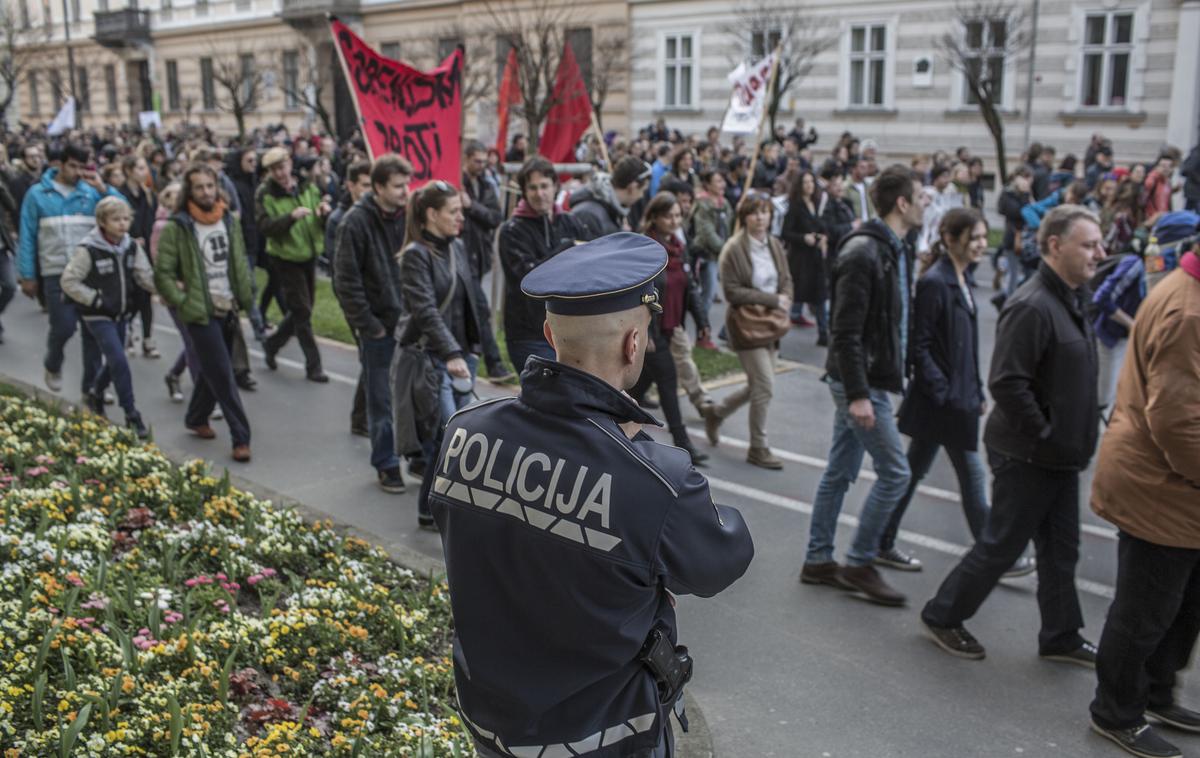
{"x": 55, "y": 215}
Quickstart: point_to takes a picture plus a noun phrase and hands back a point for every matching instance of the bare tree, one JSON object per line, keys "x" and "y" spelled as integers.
{"x": 610, "y": 66}
{"x": 758, "y": 26}
{"x": 537, "y": 33}
{"x": 985, "y": 38}
{"x": 308, "y": 88}
{"x": 16, "y": 52}
{"x": 242, "y": 83}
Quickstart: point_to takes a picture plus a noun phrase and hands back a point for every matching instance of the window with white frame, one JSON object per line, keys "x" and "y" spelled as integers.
{"x": 1107, "y": 55}
{"x": 985, "y": 40}
{"x": 763, "y": 42}
{"x": 679, "y": 70}
{"x": 868, "y": 65}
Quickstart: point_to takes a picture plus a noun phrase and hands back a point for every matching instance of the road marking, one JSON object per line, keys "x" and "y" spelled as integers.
{"x": 934, "y": 492}
{"x": 850, "y": 521}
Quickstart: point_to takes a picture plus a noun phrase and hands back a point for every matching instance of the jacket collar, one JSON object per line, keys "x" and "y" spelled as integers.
{"x": 559, "y": 389}
{"x": 1054, "y": 283}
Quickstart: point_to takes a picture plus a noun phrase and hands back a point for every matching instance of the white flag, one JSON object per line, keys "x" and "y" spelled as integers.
{"x": 65, "y": 120}
{"x": 749, "y": 95}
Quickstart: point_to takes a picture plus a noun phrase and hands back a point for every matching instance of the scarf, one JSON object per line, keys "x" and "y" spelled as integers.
{"x": 208, "y": 217}
{"x": 1191, "y": 264}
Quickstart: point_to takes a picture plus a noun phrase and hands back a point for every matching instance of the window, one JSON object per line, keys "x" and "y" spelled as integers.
{"x": 172, "y": 85}
{"x": 208, "y": 94}
{"x": 75, "y": 10}
{"x": 446, "y": 46}
{"x": 102, "y": 6}
{"x": 390, "y": 50}
{"x": 985, "y": 43}
{"x": 291, "y": 79}
{"x": 25, "y": 21}
{"x": 764, "y": 42}
{"x": 581, "y": 44}
{"x": 243, "y": 5}
{"x": 35, "y": 102}
{"x": 82, "y": 89}
{"x": 201, "y": 7}
{"x": 166, "y": 10}
{"x": 678, "y": 68}
{"x": 249, "y": 80}
{"x": 1107, "y": 50}
{"x": 110, "y": 88}
{"x": 868, "y": 65}
{"x": 47, "y": 14}
{"x": 56, "y": 89}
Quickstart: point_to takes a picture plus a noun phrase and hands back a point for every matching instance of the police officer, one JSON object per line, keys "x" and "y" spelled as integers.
{"x": 566, "y": 529}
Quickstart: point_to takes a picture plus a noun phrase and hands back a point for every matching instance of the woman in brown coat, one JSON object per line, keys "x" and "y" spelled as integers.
{"x": 754, "y": 271}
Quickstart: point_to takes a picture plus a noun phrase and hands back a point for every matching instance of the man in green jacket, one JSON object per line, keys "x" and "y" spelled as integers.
{"x": 202, "y": 274}
{"x": 291, "y": 215}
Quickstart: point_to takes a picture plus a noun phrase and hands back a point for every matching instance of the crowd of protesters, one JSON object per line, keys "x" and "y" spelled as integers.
{"x": 881, "y": 261}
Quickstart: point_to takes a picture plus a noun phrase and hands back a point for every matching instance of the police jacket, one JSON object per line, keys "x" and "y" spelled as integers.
{"x": 526, "y": 240}
{"x": 865, "y": 313}
{"x": 562, "y": 538}
{"x": 1043, "y": 376}
{"x": 101, "y": 277}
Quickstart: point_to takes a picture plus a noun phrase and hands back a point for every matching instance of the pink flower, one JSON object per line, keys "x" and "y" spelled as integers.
{"x": 81, "y": 459}
{"x": 74, "y": 579}
{"x": 36, "y": 471}
{"x": 267, "y": 573}
{"x": 253, "y": 579}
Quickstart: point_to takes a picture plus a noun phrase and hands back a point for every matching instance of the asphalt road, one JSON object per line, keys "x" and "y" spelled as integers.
{"x": 782, "y": 669}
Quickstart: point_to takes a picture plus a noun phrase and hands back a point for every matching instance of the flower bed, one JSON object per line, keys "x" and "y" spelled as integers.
{"x": 152, "y": 609}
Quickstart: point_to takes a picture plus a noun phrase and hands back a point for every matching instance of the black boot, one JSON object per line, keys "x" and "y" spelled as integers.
{"x": 134, "y": 422}
{"x": 94, "y": 402}
{"x": 680, "y": 436}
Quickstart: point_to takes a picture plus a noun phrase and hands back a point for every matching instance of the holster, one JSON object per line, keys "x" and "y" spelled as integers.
{"x": 671, "y": 665}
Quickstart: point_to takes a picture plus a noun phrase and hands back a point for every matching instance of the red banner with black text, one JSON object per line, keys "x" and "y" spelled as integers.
{"x": 412, "y": 113}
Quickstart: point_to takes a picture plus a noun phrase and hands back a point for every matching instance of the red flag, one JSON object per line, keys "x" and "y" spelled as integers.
{"x": 571, "y": 114}
{"x": 405, "y": 111}
{"x": 510, "y": 95}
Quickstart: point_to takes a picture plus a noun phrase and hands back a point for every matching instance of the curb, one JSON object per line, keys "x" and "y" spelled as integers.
{"x": 697, "y": 743}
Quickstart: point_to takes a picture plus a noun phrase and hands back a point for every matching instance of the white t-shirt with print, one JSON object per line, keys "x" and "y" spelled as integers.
{"x": 216, "y": 249}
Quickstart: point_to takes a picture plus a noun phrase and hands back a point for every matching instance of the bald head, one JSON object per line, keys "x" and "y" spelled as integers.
{"x": 611, "y": 346}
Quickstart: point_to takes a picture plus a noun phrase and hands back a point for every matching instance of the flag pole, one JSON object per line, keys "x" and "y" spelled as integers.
{"x": 362, "y": 124}
{"x": 600, "y": 136}
{"x": 762, "y": 120}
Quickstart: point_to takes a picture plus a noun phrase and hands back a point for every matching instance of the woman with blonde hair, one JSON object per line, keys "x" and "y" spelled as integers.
{"x": 757, "y": 284}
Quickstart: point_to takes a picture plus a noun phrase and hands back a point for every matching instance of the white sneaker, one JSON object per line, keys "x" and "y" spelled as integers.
{"x": 217, "y": 414}
{"x": 54, "y": 381}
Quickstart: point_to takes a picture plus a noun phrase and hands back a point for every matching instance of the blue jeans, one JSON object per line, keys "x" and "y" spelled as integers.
{"x": 972, "y": 484}
{"x": 451, "y": 402}
{"x": 64, "y": 319}
{"x": 850, "y": 442}
{"x": 110, "y": 338}
{"x": 708, "y": 284}
{"x": 8, "y": 281}
{"x": 376, "y": 358}
{"x": 520, "y": 350}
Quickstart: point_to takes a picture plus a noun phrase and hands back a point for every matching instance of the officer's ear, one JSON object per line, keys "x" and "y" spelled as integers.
{"x": 549, "y": 335}
{"x": 630, "y": 346}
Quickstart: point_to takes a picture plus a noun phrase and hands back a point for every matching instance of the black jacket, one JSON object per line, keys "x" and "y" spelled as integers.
{"x": 597, "y": 216}
{"x": 145, "y": 206}
{"x": 466, "y": 323}
{"x": 864, "y": 351}
{"x": 945, "y": 395}
{"x": 1191, "y": 178}
{"x": 1043, "y": 376}
{"x": 839, "y": 218}
{"x": 245, "y": 185}
{"x": 526, "y": 241}
{"x": 480, "y": 222}
{"x": 1010, "y": 204}
{"x": 366, "y": 276}
{"x": 562, "y": 538}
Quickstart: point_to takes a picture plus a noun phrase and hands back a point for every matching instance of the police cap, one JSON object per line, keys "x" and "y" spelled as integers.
{"x": 607, "y": 275}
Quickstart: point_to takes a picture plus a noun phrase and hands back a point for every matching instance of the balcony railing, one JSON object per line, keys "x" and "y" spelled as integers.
{"x": 307, "y": 9}
{"x": 122, "y": 28}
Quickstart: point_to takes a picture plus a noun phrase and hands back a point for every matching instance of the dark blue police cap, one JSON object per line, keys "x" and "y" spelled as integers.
{"x": 607, "y": 275}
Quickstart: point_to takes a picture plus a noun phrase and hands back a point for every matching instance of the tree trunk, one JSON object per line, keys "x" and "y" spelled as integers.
{"x": 240, "y": 117}
{"x": 995, "y": 125}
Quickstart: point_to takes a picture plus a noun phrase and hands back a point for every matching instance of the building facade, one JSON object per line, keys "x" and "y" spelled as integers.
{"x": 193, "y": 60}
{"x": 1126, "y": 68}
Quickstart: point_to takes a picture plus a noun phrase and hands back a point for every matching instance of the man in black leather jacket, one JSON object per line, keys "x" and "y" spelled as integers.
{"x": 367, "y": 284}
{"x": 535, "y": 232}
{"x": 1041, "y": 434}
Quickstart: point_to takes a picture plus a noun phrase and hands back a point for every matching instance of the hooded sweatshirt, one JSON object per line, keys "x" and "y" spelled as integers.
{"x": 101, "y": 276}
{"x": 597, "y": 209}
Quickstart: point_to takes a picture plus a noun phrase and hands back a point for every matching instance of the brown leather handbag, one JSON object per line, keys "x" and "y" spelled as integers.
{"x": 756, "y": 325}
